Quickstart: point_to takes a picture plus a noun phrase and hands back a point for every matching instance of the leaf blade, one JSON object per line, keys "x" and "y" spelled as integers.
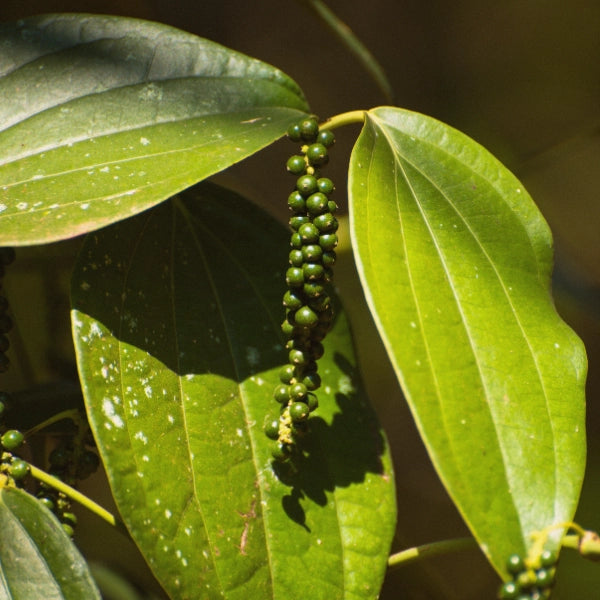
{"x": 483, "y": 358}
{"x": 205, "y": 328}
{"x": 40, "y": 561}
{"x": 118, "y": 115}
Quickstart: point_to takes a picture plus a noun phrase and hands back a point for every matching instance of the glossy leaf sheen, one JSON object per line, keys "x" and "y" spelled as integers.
{"x": 102, "y": 117}
{"x": 455, "y": 260}
{"x": 176, "y": 318}
{"x": 37, "y": 558}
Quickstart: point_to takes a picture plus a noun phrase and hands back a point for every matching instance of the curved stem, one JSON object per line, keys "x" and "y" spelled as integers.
{"x": 347, "y": 118}
{"x": 74, "y": 494}
{"x": 71, "y": 413}
{"x": 353, "y": 44}
{"x": 428, "y": 550}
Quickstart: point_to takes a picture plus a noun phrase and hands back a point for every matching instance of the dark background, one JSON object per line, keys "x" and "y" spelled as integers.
{"x": 522, "y": 77}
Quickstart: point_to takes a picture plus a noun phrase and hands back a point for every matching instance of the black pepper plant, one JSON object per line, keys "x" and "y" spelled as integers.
{"x": 214, "y": 357}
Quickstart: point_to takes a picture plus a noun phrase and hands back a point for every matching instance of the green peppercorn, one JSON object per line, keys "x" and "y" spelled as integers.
{"x": 313, "y": 289}
{"x": 312, "y": 400}
{"x": 281, "y": 451}
{"x": 296, "y": 202}
{"x": 309, "y": 233}
{"x": 294, "y": 277}
{"x": 306, "y": 317}
{"x": 296, "y": 165}
{"x": 47, "y": 502}
{"x": 312, "y": 381}
{"x": 60, "y": 457}
{"x": 298, "y": 220}
{"x": 272, "y": 429}
{"x": 309, "y": 129}
{"x": 297, "y": 357}
{"x": 326, "y": 223}
{"x": 281, "y": 393}
{"x": 286, "y": 373}
{"x": 292, "y": 300}
{"x": 12, "y": 439}
{"x": 18, "y": 469}
{"x": 294, "y": 133}
{"x": 68, "y": 529}
{"x": 317, "y": 155}
{"x": 326, "y": 137}
{"x": 328, "y": 241}
{"x": 325, "y": 185}
{"x": 328, "y": 258}
{"x": 298, "y": 391}
{"x": 548, "y": 558}
{"x": 313, "y": 271}
{"x": 299, "y": 411}
{"x": 307, "y": 185}
{"x": 287, "y": 328}
{"x": 509, "y": 591}
{"x": 316, "y": 203}
{"x": 296, "y": 258}
{"x": 87, "y": 464}
{"x": 296, "y": 241}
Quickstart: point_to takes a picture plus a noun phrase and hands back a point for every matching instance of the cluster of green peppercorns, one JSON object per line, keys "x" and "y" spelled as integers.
{"x": 309, "y": 310}
{"x": 68, "y": 462}
{"x": 529, "y": 582}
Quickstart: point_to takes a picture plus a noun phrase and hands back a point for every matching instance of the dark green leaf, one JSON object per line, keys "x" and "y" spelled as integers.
{"x": 103, "y": 117}
{"x": 37, "y": 558}
{"x": 176, "y": 320}
{"x": 455, "y": 261}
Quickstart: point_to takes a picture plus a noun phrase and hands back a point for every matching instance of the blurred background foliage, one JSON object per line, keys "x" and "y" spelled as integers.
{"x": 522, "y": 77}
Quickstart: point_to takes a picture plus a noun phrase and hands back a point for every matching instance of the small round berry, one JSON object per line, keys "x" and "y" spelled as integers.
{"x": 299, "y": 411}
{"x": 298, "y": 220}
{"x": 515, "y": 564}
{"x": 317, "y": 350}
{"x": 320, "y": 303}
{"x": 294, "y": 132}
{"x": 298, "y": 392}
{"x": 309, "y": 233}
{"x": 325, "y": 185}
{"x": 306, "y": 317}
{"x": 328, "y": 258}
{"x": 18, "y": 469}
{"x": 297, "y": 357}
{"x": 296, "y": 165}
{"x": 281, "y": 451}
{"x": 87, "y": 464}
{"x": 328, "y": 241}
{"x": 326, "y": 137}
{"x": 309, "y": 129}
{"x": 296, "y": 258}
{"x": 68, "y": 529}
{"x": 47, "y": 502}
{"x": 317, "y": 155}
{"x": 307, "y": 185}
{"x": 312, "y": 382}
{"x": 294, "y": 277}
{"x": 544, "y": 578}
{"x": 313, "y": 271}
{"x": 312, "y": 253}
{"x": 509, "y": 591}
{"x": 548, "y": 558}
{"x": 316, "y": 203}
{"x": 281, "y": 394}
{"x": 313, "y": 402}
{"x": 59, "y": 457}
{"x": 296, "y": 202}
{"x": 292, "y": 300}
{"x": 332, "y": 207}
{"x": 12, "y": 439}
{"x": 296, "y": 241}
{"x": 272, "y": 429}
{"x": 326, "y": 223}
{"x": 313, "y": 289}
{"x": 287, "y": 328}
{"x": 286, "y": 373}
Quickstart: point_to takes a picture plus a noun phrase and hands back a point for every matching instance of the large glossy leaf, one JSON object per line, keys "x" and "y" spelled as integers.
{"x": 102, "y": 117}
{"x": 176, "y": 318}
{"x": 455, "y": 261}
{"x": 37, "y": 558}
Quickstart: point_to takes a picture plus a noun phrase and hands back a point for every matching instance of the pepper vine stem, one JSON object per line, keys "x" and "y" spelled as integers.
{"x": 347, "y": 118}
{"x": 74, "y": 494}
{"x": 587, "y": 544}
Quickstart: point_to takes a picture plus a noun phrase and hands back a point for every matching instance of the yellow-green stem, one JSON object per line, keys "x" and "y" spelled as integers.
{"x": 347, "y": 118}
{"x": 74, "y": 494}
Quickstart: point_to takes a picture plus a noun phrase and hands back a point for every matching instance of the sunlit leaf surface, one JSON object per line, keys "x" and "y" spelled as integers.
{"x": 455, "y": 260}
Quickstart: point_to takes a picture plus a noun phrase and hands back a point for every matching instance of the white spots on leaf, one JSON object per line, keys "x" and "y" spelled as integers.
{"x": 85, "y": 286}
{"x": 146, "y": 458}
{"x": 144, "y": 141}
{"x": 413, "y": 325}
{"x": 171, "y": 419}
{"x": 105, "y": 169}
{"x": 109, "y": 412}
{"x": 141, "y": 436}
{"x": 556, "y": 345}
{"x": 3, "y": 207}
{"x": 22, "y": 205}
{"x": 239, "y": 432}
{"x": 345, "y": 385}
{"x": 148, "y": 391}
{"x": 168, "y": 513}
